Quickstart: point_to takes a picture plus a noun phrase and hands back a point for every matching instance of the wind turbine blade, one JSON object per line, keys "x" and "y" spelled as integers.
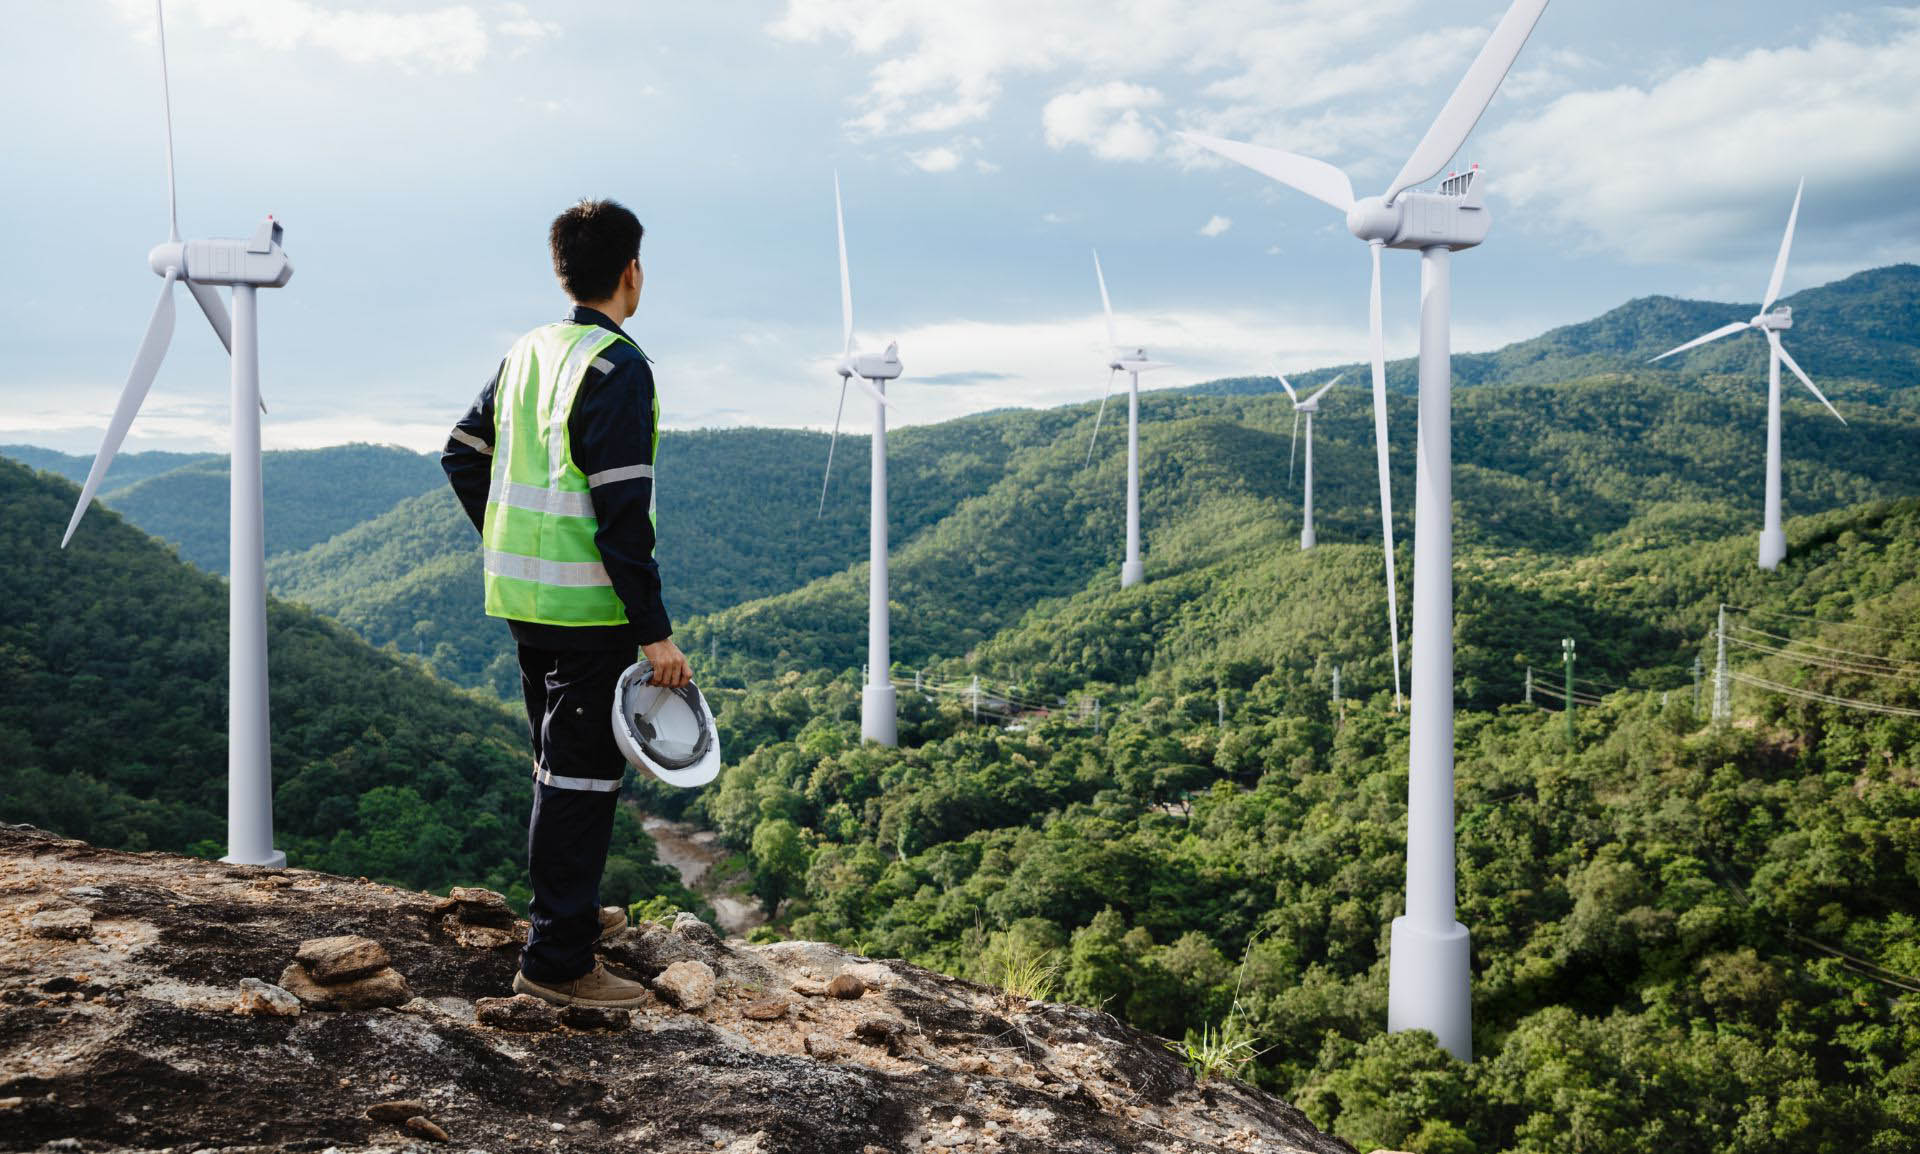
{"x": 1322, "y": 392}
{"x": 1091, "y": 441}
{"x": 146, "y": 364}
{"x": 1786, "y": 246}
{"x": 208, "y": 298}
{"x": 828, "y": 476}
{"x": 846, "y": 282}
{"x": 1113, "y": 342}
{"x": 1318, "y": 179}
{"x": 1293, "y": 444}
{"x": 1462, "y": 110}
{"x": 166, "y": 102}
{"x": 1379, "y": 357}
{"x": 1786, "y": 359}
{"x": 1722, "y": 331}
{"x": 873, "y": 392}
{"x": 1288, "y": 385}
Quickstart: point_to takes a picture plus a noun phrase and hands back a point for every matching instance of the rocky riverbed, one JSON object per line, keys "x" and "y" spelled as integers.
{"x": 697, "y": 855}
{"x": 144, "y": 1006}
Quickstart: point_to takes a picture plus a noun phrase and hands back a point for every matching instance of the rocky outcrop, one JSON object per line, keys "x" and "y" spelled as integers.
{"x": 151, "y": 1029}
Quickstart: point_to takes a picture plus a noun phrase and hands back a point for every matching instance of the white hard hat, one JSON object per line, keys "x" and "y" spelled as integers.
{"x": 668, "y": 733}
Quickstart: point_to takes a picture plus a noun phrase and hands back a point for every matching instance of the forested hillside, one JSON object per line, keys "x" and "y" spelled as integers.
{"x": 1686, "y": 936}
{"x": 113, "y": 683}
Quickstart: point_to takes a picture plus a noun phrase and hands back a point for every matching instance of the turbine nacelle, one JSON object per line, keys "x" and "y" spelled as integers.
{"x": 1135, "y": 361}
{"x": 1453, "y": 217}
{"x": 873, "y": 366}
{"x": 258, "y": 260}
{"x": 1777, "y": 321}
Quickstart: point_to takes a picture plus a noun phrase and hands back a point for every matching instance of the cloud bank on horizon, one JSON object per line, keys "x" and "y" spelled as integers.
{"x": 416, "y": 149}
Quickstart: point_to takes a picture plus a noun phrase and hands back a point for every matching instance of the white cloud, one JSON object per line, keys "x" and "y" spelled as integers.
{"x": 1216, "y": 224}
{"x": 1705, "y": 159}
{"x": 941, "y": 159}
{"x": 1105, "y": 119}
{"x": 446, "y": 39}
{"x": 521, "y": 24}
{"x": 1266, "y": 68}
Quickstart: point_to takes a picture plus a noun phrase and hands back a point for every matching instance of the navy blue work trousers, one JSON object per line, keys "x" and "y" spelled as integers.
{"x": 577, "y": 774}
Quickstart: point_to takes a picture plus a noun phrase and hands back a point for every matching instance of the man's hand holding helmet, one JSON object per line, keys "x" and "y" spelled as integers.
{"x": 669, "y": 664}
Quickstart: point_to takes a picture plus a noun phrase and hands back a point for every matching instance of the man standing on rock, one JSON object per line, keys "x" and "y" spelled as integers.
{"x": 554, "y": 464}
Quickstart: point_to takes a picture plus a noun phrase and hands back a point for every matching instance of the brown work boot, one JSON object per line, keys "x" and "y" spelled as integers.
{"x": 613, "y": 919}
{"x": 595, "y": 988}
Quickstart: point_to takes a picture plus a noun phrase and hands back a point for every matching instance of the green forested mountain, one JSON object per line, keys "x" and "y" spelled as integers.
{"x": 128, "y": 468}
{"x": 113, "y": 675}
{"x": 1852, "y": 333}
{"x": 1686, "y": 936}
{"x": 311, "y": 494}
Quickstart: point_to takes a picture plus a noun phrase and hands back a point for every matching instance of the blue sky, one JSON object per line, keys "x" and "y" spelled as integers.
{"x": 416, "y": 150}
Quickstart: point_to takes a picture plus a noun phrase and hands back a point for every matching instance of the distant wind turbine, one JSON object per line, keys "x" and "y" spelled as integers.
{"x": 878, "y": 718}
{"x": 1310, "y": 406}
{"x": 1132, "y": 362}
{"x": 1429, "y": 974}
{"x": 247, "y": 265}
{"x": 1771, "y": 322}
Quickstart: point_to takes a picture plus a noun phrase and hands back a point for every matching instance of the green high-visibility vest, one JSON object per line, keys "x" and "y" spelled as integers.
{"x": 541, "y": 561}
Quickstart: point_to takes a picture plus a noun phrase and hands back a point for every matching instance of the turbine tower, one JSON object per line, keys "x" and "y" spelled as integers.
{"x": 1771, "y": 322}
{"x": 1132, "y": 362}
{"x": 878, "y": 717}
{"x": 246, "y": 265}
{"x": 1310, "y": 406}
{"x": 1429, "y": 974}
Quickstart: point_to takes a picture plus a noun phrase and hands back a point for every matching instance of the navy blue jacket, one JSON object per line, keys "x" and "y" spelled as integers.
{"x": 611, "y": 427}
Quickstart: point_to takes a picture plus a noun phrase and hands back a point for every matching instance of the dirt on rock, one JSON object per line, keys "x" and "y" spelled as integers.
{"x": 128, "y": 1039}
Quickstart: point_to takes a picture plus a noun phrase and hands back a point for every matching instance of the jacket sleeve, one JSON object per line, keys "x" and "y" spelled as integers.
{"x": 611, "y": 430}
{"x": 468, "y": 457}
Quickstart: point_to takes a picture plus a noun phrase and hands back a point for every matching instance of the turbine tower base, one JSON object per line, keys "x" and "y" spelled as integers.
{"x": 1306, "y": 538}
{"x": 877, "y": 716}
{"x": 1773, "y": 548}
{"x": 273, "y": 861}
{"x": 1131, "y": 574}
{"x": 1429, "y": 984}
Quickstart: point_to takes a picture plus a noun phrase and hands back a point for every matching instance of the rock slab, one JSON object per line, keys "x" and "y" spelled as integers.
{"x": 70, "y": 923}
{"x": 385, "y": 988}
{"x": 341, "y": 959}
{"x": 522, "y": 1013}
{"x": 266, "y": 1000}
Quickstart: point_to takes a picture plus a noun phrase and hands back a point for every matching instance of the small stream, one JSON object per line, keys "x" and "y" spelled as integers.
{"x": 693, "y": 852}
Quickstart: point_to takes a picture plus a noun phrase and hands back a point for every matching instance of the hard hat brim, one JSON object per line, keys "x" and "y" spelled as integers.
{"x": 633, "y": 747}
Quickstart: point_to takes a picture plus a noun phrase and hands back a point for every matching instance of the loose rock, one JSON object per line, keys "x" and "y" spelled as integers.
{"x": 685, "y": 925}
{"x": 426, "y": 1128}
{"x": 881, "y": 1030}
{"x": 398, "y": 1110}
{"x": 521, "y": 1013}
{"x": 688, "y": 985}
{"x": 385, "y": 988}
{"x": 596, "y": 1018}
{"x": 70, "y": 924}
{"x": 824, "y": 1048}
{"x": 846, "y": 986}
{"x": 766, "y": 1010}
{"x": 477, "y": 906}
{"x": 481, "y": 937}
{"x": 266, "y": 1000}
{"x": 809, "y": 987}
{"x": 341, "y": 959}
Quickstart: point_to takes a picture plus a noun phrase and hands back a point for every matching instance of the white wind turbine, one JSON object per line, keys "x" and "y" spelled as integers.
{"x": 246, "y": 265}
{"x": 1132, "y": 362}
{"x": 1771, "y": 322}
{"x": 1429, "y": 977}
{"x": 1310, "y": 406}
{"x": 878, "y": 719}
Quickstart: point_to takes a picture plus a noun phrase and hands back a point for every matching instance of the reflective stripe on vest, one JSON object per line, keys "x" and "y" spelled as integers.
{"x": 541, "y": 562}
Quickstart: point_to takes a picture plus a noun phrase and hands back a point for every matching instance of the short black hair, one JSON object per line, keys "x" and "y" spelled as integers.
{"x": 592, "y": 243}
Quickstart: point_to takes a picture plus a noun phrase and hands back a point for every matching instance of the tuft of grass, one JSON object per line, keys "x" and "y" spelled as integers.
{"x": 1025, "y": 976}
{"x": 1225, "y": 1052}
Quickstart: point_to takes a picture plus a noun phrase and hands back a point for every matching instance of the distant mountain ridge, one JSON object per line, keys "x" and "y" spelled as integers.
{"x": 1860, "y": 330}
